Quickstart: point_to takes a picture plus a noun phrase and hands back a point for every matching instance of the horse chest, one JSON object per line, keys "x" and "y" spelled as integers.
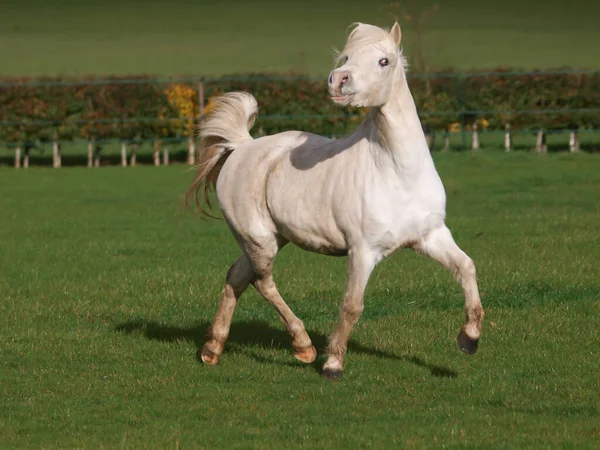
{"x": 398, "y": 216}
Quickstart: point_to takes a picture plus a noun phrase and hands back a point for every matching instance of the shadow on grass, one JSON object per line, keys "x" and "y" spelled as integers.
{"x": 245, "y": 335}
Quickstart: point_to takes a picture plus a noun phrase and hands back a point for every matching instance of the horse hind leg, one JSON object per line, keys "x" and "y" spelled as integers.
{"x": 440, "y": 246}
{"x": 262, "y": 262}
{"x": 303, "y": 349}
{"x": 239, "y": 276}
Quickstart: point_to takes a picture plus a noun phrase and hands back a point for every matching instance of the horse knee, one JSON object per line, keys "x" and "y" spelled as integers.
{"x": 352, "y": 311}
{"x": 467, "y": 269}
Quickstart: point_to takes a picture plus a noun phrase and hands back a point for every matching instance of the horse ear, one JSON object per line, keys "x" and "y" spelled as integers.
{"x": 396, "y": 34}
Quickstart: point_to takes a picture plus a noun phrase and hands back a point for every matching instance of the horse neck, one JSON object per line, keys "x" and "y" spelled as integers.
{"x": 398, "y": 130}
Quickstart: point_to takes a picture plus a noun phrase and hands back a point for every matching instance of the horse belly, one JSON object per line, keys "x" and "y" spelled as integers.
{"x": 309, "y": 229}
{"x": 305, "y": 216}
{"x": 314, "y": 241}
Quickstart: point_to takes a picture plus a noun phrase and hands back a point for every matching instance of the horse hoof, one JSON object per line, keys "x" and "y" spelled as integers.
{"x": 332, "y": 374}
{"x": 209, "y": 357}
{"x": 306, "y": 355}
{"x": 466, "y": 344}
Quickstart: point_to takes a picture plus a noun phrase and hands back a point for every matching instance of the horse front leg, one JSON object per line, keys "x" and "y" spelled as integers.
{"x": 440, "y": 246}
{"x": 361, "y": 264}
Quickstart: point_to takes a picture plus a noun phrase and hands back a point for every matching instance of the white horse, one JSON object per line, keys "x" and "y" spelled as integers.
{"x": 364, "y": 196}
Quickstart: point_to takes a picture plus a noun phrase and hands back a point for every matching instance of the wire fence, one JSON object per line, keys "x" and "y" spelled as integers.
{"x": 457, "y": 119}
{"x": 170, "y": 80}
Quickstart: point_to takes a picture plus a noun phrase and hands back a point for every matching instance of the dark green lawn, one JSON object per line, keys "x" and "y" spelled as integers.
{"x": 106, "y": 294}
{"x": 204, "y": 37}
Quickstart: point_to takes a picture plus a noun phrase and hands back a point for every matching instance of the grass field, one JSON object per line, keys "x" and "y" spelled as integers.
{"x": 106, "y": 294}
{"x": 203, "y": 37}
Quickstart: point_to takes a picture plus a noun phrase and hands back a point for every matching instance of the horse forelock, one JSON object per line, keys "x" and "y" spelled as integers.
{"x": 363, "y": 34}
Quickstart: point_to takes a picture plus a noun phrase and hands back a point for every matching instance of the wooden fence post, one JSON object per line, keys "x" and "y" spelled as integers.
{"x": 18, "y": 158}
{"x": 191, "y": 158}
{"x": 574, "y": 142}
{"x": 90, "y": 153}
{"x": 507, "y": 138}
{"x": 540, "y": 142}
{"x": 26, "y": 157}
{"x": 165, "y": 155}
{"x": 56, "y": 158}
{"x": 156, "y": 152}
{"x": 133, "y": 159}
{"x": 475, "y": 140}
{"x": 97, "y": 156}
{"x": 123, "y": 153}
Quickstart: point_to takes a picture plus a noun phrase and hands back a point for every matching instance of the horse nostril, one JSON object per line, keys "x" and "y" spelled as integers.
{"x": 331, "y": 78}
{"x": 344, "y": 79}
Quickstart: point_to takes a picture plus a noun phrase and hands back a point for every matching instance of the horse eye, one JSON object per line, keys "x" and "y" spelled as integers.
{"x": 346, "y": 59}
{"x": 384, "y": 62}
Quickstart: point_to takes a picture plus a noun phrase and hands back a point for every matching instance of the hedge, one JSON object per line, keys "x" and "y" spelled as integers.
{"x": 138, "y": 107}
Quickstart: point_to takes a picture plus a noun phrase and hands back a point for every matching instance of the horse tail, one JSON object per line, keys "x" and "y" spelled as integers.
{"x": 226, "y": 126}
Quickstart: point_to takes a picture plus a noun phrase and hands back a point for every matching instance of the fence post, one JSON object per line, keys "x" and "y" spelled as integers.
{"x": 56, "y": 159}
{"x": 97, "y": 155}
{"x": 26, "y": 157}
{"x": 475, "y": 140}
{"x": 18, "y": 158}
{"x": 540, "y": 142}
{"x": 165, "y": 155}
{"x": 507, "y": 138}
{"x": 133, "y": 158}
{"x": 573, "y": 142}
{"x": 90, "y": 153}
{"x": 156, "y": 152}
{"x": 191, "y": 158}
{"x": 123, "y": 153}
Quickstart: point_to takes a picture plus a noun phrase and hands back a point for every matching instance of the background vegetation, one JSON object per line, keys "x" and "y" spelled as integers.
{"x": 145, "y": 110}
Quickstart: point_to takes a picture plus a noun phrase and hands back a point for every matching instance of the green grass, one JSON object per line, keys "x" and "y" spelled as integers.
{"x": 106, "y": 295}
{"x": 204, "y": 37}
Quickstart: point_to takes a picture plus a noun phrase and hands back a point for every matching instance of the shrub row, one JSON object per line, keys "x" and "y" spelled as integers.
{"x": 139, "y": 108}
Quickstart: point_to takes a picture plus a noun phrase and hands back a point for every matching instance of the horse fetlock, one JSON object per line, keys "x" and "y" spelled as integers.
{"x": 475, "y": 317}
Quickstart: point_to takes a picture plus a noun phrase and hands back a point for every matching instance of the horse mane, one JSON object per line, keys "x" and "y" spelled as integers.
{"x": 364, "y": 34}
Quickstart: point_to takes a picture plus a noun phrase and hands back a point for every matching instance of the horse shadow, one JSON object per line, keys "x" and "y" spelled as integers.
{"x": 244, "y": 336}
